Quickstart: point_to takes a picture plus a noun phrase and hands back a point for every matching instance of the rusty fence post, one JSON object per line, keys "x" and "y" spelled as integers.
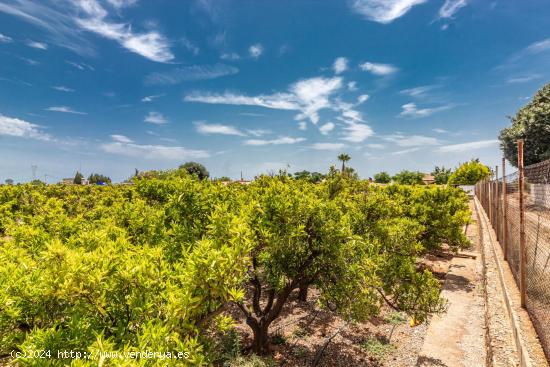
{"x": 490, "y": 201}
{"x": 504, "y": 209}
{"x": 522, "y": 253}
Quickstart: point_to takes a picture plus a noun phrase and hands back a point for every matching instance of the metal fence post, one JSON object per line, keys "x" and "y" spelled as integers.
{"x": 496, "y": 215}
{"x": 522, "y": 253}
{"x": 504, "y": 209}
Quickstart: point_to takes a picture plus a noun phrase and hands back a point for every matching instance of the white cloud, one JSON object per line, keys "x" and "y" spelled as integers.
{"x": 121, "y": 138}
{"x": 362, "y": 98}
{"x": 62, "y": 88}
{"x": 5, "y": 39}
{"x": 383, "y": 11}
{"x": 258, "y": 132}
{"x": 411, "y": 140}
{"x": 379, "y": 69}
{"x": 80, "y": 66}
{"x": 65, "y": 109}
{"x": 256, "y": 50}
{"x": 121, "y": 3}
{"x": 37, "y": 45}
{"x": 232, "y": 56}
{"x": 405, "y": 151}
{"x": 523, "y": 79}
{"x": 440, "y": 131}
{"x": 340, "y": 65}
{"x": 308, "y": 96}
{"x": 190, "y": 73}
{"x": 451, "y": 7}
{"x": 190, "y": 46}
{"x": 160, "y": 152}
{"x": 204, "y": 128}
{"x": 466, "y": 147}
{"x": 352, "y": 86}
{"x": 151, "y": 45}
{"x": 376, "y": 146}
{"x": 539, "y": 46}
{"x": 151, "y": 98}
{"x": 356, "y": 132}
{"x": 155, "y": 118}
{"x": 420, "y": 91}
{"x": 302, "y": 125}
{"x": 10, "y": 126}
{"x": 328, "y": 146}
{"x": 327, "y": 128}
{"x": 278, "y": 141}
{"x": 411, "y": 110}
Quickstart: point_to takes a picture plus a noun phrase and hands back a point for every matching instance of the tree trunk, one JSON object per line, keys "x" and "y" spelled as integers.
{"x": 343, "y": 167}
{"x": 260, "y": 344}
{"x": 302, "y": 294}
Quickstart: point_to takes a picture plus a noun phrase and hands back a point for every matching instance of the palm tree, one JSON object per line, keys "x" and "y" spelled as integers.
{"x": 344, "y": 158}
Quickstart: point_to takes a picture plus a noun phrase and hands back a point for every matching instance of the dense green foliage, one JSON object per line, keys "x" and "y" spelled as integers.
{"x": 382, "y": 177}
{"x": 313, "y": 177}
{"x": 409, "y": 178}
{"x": 531, "y": 123}
{"x": 156, "y": 266}
{"x": 469, "y": 173}
{"x": 197, "y": 169}
{"x": 441, "y": 175}
{"x": 77, "y": 180}
{"x": 96, "y": 178}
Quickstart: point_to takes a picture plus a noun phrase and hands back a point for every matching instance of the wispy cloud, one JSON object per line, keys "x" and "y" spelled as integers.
{"x": 407, "y": 141}
{"x": 376, "y": 146}
{"x": 65, "y": 109}
{"x": 405, "y": 151}
{"x": 256, "y": 50}
{"x": 151, "y": 45}
{"x": 148, "y": 151}
{"x": 258, "y": 132}
{"x": 37, "y": 45}
{"x": 231, "y": 56}
{"x": 440, "y": 131}
{"x": 80, "y": 66}
{"x": 383, "y": 11}
{"x": 328, "y": 146}
{"x": 156, "y": 118}
{"x": 538, "y": 47}
{"x": 5, "y": 39}
{"x": 279, "y": 141}
{"x": 151, "y": 98}
{"x": 379, "y": 69}
{"x": 340, "y": 65}
{"x": 190, "y": 73}
{"x": 412, "y": 110}
{"x": 451, "y": 7}
{"x": 523, "y": 79}
{"x": 327, "y": 128}
{"x": 207, "y": 129}
{"x": 533, "y": 49}
{"x": 466, "y": 147}
{"x": 308, "y": 96}
{"x": 121, "y": 138}
{"x": 190, "y": 46}
{"x": 10, "y": 126}
{"x": 420, "y": 91}
{"x": 62, "y": 88}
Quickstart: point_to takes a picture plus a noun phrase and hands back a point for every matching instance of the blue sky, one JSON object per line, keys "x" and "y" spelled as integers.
{"x": 239, "y": 85}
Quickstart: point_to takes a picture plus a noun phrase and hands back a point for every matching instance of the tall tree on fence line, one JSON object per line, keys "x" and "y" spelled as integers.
{"x": 531, "y": 123}
{"x": 77, "y": 180}
{"x": 469, "y": 173}
{"x": 344, "y": 158}
{"x": 194, "y": 168}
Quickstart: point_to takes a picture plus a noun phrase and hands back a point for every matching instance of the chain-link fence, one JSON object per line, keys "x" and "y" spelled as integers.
{"x": 512, "y": 208}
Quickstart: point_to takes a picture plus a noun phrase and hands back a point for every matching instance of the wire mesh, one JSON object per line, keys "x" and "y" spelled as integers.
{"x": 501, "y": 202}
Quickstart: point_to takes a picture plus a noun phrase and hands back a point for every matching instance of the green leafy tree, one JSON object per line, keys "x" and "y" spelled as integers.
{"x": 469, "y": 173}
{"x": 313, "y": 177}
{"x": 344, "y": 158}
{"x": 197, "y": 169}
{"x": 531, "y": 123}
{"x": 382, "y": 177}
{"x": 441, "y": 175}
{"x": 409, "y": 178}
{"x": 78, "y": 178}
{"x": 96, "y": 178}
{"x": 9, "y": 181}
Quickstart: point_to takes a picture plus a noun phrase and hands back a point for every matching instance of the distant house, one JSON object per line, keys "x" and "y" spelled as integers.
{"x": 428, "y": 179}
{"x": 67, "y": 181}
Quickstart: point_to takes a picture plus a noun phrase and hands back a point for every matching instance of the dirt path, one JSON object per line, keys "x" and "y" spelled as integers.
{"x": 457, "y": 338}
